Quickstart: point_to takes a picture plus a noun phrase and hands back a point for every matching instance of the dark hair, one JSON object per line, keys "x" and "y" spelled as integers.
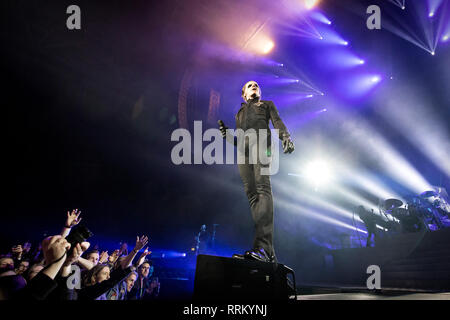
{"x": 149, "y": 262}
{"x": 91, "y": 252}
{"x": 93, "y": 274}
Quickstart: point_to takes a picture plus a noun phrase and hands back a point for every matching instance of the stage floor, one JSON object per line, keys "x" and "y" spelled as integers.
{"x": 369, "y": 296}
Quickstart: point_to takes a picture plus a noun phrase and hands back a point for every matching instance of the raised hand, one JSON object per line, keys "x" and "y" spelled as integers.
{"x": 54, "y": 248}
{"x": 73, "y": 218}
{"x": 223, "y": 128}
{"x": 140, "y": 243}
{"x": 142, "y": 257}
{"x": 288, "y": 145}
{"x": 114, "y": 256}
{"x": 123, "y": 249}
{"x": 76, "y": 253}
{"x": 103, "y": 257}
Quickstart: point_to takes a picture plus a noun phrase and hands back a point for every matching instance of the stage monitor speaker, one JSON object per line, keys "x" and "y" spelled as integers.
{"x": 220, "y": 278}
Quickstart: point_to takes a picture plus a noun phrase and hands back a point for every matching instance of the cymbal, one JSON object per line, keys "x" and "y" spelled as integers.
{"x": 392, "y": 203}
{"x": 427, "y": 194}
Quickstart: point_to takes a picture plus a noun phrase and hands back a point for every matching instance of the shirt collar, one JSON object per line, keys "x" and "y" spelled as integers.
{"x": 251, "y": 101}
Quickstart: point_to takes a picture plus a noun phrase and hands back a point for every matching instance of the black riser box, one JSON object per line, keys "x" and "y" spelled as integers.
{"x": 220, "y": 278}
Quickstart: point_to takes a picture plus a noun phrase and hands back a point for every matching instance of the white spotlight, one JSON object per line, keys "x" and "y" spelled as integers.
{"x": 432, "y": 53}
{"x": 309, "y": 4}
{"x": 318, "y": 173}
{"x": 375, "y": 79}
{"x": 259, "y": 44}
{"x": 431, "y": 14}
{"x": 267, "y": 47}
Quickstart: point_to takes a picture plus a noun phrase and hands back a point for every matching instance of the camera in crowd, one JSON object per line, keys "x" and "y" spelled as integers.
{"x": 78, "y": 235}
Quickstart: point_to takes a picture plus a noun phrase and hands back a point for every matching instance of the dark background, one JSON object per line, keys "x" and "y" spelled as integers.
{"x": 89, "y": 115}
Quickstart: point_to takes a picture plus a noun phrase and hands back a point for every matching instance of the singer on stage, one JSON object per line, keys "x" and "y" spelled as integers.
{"x": 255, "y": 114}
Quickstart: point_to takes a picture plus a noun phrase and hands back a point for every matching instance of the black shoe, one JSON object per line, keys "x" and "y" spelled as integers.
{"x": 238, "y": 256}
{"x": 258, "y": 254}
{"x": 273, "y": 259}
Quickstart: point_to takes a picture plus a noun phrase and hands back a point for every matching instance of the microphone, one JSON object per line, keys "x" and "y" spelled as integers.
{"x": 222, "y": 128}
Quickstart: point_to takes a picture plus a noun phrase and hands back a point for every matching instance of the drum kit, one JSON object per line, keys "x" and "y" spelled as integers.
{"x": 427, "y": 211}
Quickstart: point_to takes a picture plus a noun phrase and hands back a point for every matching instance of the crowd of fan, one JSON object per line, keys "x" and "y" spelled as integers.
{"x": 59, "y": 270}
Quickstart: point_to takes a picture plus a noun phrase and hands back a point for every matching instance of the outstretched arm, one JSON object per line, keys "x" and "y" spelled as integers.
{"x": 73, "y": 258}
{"x": 141, "y": 259}
{"x": 73, "y": 218}
{"x": 288, "y": 144}
{"x": 140, "y": 243}
{"x": 276, "y": 121}
{"x": 85, "y": 263}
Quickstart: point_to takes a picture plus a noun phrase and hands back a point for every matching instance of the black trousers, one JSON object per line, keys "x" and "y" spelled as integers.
{"x": 259, "y": 194}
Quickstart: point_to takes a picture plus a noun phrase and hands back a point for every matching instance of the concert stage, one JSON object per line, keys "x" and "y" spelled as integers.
{"x": 372, "y": 296}
{"x": 411, "y": 266}
{"x": 411, "y": 262}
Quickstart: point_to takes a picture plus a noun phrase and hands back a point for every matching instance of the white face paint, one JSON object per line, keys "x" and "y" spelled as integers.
{"x": 251, "y": 90}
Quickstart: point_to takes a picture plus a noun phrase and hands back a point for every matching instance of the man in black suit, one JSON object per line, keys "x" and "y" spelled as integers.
{"x": 255, "y": 114}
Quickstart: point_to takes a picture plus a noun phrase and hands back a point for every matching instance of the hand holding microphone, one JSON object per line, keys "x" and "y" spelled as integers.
{"x": 222, "y": 128}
